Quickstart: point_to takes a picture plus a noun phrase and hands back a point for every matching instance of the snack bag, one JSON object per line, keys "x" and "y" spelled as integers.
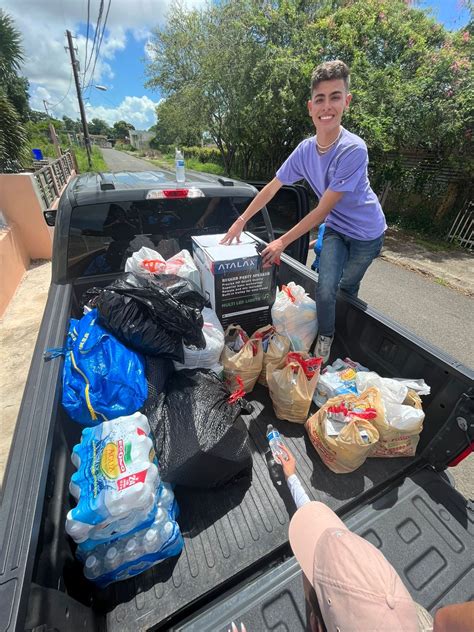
{"x": 292, "y": 387}
{"x": 275, "y": 348}
{"x": 343, "y": 431}
{"x": 241, "y": 357}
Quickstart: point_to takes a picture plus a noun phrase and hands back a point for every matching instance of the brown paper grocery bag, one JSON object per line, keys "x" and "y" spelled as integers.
{"x": 291, "y": 391}
{"x": 347, "y": 451}
{"x": 397, "y": 443}
{"x": 275, "y": 354}
{"x": 246, "y": 363}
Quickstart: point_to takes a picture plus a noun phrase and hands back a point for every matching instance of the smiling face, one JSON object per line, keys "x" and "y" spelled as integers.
{"x": 327, "y": 104}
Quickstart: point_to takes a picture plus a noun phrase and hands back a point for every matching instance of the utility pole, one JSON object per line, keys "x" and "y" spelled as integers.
{"x": 74, "y": 62}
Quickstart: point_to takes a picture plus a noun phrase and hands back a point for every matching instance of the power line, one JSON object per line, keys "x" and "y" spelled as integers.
{"x": 94, "y": 42}
{"x": 87, "y": 34}
{"x": 64, "y": 97}
{"x": 100, "y": 41}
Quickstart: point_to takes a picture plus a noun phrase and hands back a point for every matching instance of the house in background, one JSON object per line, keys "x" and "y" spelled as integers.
{"x": 140, "y": 139}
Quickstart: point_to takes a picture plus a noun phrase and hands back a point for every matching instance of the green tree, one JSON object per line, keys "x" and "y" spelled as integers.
{"x": 177, "y": 122}
{"x": 12, "y": 133}
{"x": 120, "y": 130}
{"x": 247, "y": 65}
{"x": 98, "y": 126}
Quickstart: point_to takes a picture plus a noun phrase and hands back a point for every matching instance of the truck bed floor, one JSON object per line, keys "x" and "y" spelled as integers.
{"x": 229, "y": 530}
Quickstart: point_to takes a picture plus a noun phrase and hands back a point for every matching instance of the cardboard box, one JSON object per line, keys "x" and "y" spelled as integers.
{"x": 239, "y": 289}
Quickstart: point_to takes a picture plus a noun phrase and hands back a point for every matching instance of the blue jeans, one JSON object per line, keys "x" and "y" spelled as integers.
{"x": 342, "y": 265}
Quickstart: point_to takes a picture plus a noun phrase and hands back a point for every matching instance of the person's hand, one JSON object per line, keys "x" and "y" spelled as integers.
{"x": 272, "y": 252}
{"x": 234, "y": 232}
{"x": 289, "y": 463}
{"x": 201, "y": 222}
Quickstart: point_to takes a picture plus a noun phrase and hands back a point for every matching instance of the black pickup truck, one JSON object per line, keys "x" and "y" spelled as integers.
{"x": 236, "y": 563}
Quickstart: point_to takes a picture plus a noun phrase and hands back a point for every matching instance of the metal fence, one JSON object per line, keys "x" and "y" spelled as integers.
{"x": 52, "y": 177}
{"x": 462, "y": 230}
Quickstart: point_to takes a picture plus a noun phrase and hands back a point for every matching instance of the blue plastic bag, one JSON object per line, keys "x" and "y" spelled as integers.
{"x": 102, "y": 378}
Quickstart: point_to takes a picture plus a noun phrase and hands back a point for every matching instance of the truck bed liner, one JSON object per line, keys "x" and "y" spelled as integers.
{"x": 231, "y": 530}
{"x": 423, "y": 526}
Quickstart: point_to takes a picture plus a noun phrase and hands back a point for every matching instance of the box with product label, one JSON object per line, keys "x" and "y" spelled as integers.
{"x": 240, "y": 290}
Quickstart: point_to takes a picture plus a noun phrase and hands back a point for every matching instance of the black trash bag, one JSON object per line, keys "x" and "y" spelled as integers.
{"x": 200, "y": 438}
{"x": 157, "y": 371}
{"x": 153, "y": 315}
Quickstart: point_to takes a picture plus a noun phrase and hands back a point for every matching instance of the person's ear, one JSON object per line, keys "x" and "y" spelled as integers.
{"x": 348, "y": 100}
{"x": 310, "y": 107}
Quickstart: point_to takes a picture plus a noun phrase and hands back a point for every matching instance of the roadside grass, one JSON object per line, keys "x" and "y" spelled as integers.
{"x": 98, "y": 162}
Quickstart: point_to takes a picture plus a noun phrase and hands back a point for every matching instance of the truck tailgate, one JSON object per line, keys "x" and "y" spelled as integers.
{"x": 235, "y": 529}
{"x": 423, "y": 526}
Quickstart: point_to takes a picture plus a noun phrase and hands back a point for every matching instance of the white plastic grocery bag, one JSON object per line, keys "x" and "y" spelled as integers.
{"x": 207, "y": 358}
{"x": 294, "y": 316}
{"x": 147, "y": 261}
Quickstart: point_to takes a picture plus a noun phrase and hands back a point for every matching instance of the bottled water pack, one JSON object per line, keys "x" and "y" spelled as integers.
{"x": 116, "y": 480}
{"x": 131, "y": 554}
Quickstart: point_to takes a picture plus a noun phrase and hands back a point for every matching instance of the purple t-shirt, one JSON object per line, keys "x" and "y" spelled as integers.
{"x": 358, "y": 213}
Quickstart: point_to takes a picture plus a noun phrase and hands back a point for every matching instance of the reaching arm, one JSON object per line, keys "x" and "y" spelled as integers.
{"x": 288, "y": 463}
{"x": 327, "y": 202}
{"x": 260, "y": 200}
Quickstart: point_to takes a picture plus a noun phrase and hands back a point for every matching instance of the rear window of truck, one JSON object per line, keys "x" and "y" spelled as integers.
{"x": 103, "y": 236}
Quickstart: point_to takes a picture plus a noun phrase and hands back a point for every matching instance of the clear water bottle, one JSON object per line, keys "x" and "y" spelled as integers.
{"x": 179, "y": 162}
{"x": 92, "y": 567}
{"x": 131, "y": 550}
{"x": 112, "y": 559}
{"x": 274, "y": 441}
{"x": 151, "y": 541}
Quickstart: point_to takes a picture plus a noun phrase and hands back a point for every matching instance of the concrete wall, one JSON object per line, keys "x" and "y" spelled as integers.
{"x": 21, "y": 205}
{"x": 26, "y": 235}
{"x": 14, "y": 262}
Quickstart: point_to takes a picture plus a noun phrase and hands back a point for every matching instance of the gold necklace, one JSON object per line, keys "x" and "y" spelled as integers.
{"x": 325, "y": 148}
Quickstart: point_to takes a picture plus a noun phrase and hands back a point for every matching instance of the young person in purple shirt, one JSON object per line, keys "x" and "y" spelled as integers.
{"x": 334, "y": 162}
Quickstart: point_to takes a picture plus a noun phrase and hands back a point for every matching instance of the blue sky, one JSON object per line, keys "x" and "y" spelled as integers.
{"x": 120, "y": 66}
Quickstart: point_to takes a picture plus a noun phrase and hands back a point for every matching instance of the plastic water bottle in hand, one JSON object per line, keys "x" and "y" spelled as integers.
{"x": 274, "y": 441}
{"x": 179, "y": 163}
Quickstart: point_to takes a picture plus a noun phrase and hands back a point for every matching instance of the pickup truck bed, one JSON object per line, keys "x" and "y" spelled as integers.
{"x": 423, "y": 526}
{"x": 227, "y": 531}
{"x": 231, "y": 534}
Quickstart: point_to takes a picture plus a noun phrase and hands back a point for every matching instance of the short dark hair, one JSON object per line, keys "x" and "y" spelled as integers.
{"x": 335, "y": 69}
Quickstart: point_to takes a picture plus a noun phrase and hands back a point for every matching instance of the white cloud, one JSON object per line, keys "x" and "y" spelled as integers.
{"x": 140, "y": 111}
{"x": 47, "y": 66}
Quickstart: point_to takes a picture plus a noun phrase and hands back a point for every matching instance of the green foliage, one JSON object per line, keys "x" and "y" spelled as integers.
{"x": 123, "y": 146}
{"x": 12, "y": 138}
{"x": 207, "y": 167}
{"x": 39, "y": 136}
{"x": 98, "y": 162}
{"x": 120, "y": 130}
{"x": 11, "y": 50}
{"x": 13, "y": 97}
{"x": 98, "y": 126}
{"x": 239, "y": 70}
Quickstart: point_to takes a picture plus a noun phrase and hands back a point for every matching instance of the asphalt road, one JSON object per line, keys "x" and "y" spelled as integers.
{"x": 120, "y": 161}
{"x": 439, "y": 314}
